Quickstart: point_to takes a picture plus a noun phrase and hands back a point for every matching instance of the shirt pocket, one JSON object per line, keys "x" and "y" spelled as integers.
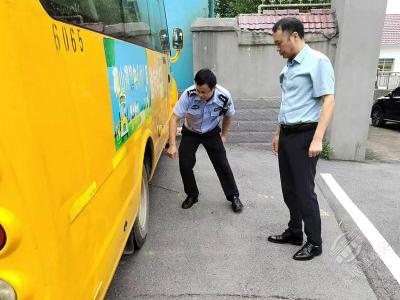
{"x": 194, "y": 117}
{"x": 194, "y": 111}
{"x": 300, "y": 81}
{"x": 215, "y": 110}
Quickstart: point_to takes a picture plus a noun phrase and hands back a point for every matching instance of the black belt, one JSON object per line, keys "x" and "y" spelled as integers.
{"x": 298, "y": 127}
{"x": 215, "y": 131}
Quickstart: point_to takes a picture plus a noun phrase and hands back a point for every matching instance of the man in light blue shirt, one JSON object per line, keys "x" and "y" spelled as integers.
{"x": 201, "y": 106}
{"x": 304, "y": 80}
{"x": 307, "y": 83}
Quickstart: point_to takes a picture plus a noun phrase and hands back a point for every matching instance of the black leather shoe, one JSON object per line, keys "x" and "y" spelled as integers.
{"x": 287, "y": 238}
{"x": 308, "y": 252}
{"x": 189, "y": 201}
{"x": 237, "y": 206}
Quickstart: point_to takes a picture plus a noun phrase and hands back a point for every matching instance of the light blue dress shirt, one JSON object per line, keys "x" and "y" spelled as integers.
{"x": 201, "y": 116}
{"x": 304, "y": 80}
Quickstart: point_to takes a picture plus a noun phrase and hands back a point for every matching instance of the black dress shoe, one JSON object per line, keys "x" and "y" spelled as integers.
{"x": 287, "y": 238}
{"x": 189, "y": 201}
{"x": 308, "y": 252}
{"x": 237, "y": 206}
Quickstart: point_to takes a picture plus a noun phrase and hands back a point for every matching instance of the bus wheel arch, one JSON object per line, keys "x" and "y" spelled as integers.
{"x": 141, "y": 225}
{"x": 138, "y": 234}
{"x": 148, "y": 157}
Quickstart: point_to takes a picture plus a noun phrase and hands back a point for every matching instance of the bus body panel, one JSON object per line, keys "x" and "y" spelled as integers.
{"x": 68, "y": 195}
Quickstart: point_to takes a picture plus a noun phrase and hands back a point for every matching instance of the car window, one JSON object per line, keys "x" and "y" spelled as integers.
{"x": 396, "y": 92}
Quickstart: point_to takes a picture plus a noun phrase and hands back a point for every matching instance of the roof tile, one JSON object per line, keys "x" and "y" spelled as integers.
{"x": 391, "y": 30}
{"x": 317, "y": 20}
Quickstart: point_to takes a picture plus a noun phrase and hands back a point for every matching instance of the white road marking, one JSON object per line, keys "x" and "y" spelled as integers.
{"x": 377, "y": 241}
{"x": 323, "y": 213}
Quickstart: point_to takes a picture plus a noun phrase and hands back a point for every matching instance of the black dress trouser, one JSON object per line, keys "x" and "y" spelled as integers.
{"x": 297, "y": 172}
{"x": 216, "y": 152}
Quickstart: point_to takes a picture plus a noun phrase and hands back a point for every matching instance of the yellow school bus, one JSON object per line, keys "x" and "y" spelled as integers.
{"x": 86, "y": 95}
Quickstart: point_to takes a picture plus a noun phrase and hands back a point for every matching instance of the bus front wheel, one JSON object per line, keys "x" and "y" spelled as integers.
{"x": 141, "y": 226}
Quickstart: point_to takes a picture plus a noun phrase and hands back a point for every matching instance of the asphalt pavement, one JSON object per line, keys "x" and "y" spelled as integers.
{"x": 384, "y": 143}
{"x": 208, "y": 252}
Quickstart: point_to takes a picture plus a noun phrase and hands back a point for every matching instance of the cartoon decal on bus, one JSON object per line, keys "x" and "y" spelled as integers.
{"x": 128, "y": 77}
{"x": 122, "y": 127}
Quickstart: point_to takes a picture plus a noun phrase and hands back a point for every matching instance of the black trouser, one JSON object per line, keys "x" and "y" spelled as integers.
{"x": 216, "y": 152}
{"x": 297, "y": 172}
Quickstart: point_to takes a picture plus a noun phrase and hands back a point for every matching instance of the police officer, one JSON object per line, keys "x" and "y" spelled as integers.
{"x": 201, "y": 105}
{"x": 307, "y": 83}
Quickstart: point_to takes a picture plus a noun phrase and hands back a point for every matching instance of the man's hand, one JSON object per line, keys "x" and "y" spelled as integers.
{"x": 275, "y": 143}
{"x": 224, "y": 138}
{"x": 326, "y": 115}
{"x": 315, "y": 148}
{"x": 171, "y": 151}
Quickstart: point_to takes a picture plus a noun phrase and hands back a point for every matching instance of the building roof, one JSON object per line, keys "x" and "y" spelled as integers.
{"x": 391, "y": 30}
{"x": 315, "y": 21}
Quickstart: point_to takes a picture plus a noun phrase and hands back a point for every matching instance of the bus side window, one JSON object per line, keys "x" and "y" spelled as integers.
{"x": 76, "y": 12}
{"x": 110, "y": 13}
{"x": 158, "y": 24}
{"x": 136, "y": 23}
{"x": 145, "y": 22}
{"x": 141, "y": 22}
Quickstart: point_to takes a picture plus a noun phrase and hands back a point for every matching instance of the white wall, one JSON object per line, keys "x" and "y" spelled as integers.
{"x": 391, "y": 52}
{"x": 245, "y": 62}
{"x": 393, "y": 7}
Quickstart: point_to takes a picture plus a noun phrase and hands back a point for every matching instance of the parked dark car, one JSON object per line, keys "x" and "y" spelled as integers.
{"x": 386, "y": 108}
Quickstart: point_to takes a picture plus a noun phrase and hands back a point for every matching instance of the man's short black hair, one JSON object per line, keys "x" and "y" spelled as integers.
{"x": 206, "y": 76}
{"x": 290, "y": 25}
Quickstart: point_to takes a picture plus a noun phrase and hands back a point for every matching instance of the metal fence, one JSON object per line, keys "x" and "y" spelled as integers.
{"x": 387, "y": 80}
{"x": 299, "y": 4}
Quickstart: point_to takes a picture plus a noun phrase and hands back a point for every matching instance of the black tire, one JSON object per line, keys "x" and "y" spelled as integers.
{"x": 141, "y": 225}
{"x": 377, "y": 117}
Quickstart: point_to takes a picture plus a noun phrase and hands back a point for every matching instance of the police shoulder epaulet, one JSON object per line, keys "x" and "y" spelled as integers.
{"x": 191, "y": 93}
{"x": 223, "y": 98}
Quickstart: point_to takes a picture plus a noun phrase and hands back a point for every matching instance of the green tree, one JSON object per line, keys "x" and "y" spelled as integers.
{"x": 232, "y": 8}
{"x": 222, "y": 8}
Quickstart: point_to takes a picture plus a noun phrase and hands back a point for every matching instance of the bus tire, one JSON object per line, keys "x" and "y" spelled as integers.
{"x": 141, "y": 225}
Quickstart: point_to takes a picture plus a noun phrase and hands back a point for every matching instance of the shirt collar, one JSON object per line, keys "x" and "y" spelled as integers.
{"x": 214, "y": 97}
{"x": 212, "y": 100}
{"x": 301, "y": 55}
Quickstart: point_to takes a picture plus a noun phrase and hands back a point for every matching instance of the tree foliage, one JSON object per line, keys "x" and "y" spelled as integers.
{"x": 232, "y": 8}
